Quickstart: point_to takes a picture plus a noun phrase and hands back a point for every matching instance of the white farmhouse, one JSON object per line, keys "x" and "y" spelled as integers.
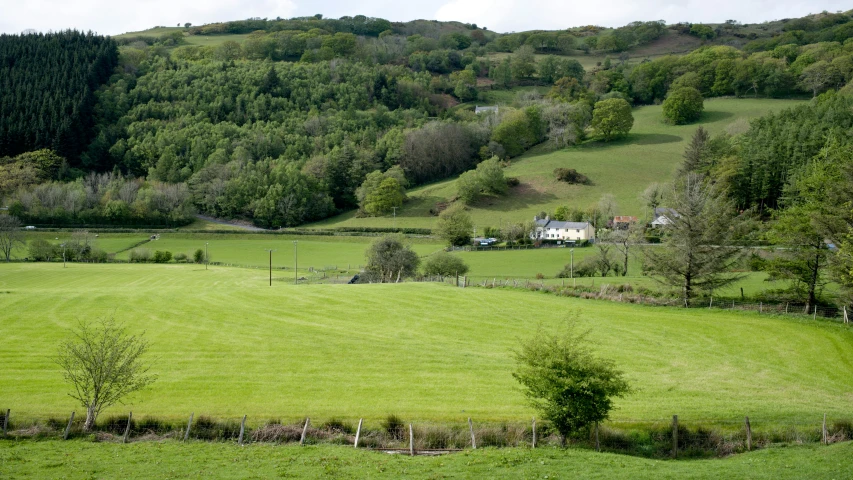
{"x": 664, "y": 216}
{"x": 556, "y": 231}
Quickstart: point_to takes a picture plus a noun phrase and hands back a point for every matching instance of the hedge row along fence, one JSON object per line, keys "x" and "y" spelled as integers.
{"x": 661, "y": 439}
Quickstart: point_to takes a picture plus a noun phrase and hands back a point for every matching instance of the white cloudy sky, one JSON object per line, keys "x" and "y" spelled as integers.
{"x": 119, "y": 16}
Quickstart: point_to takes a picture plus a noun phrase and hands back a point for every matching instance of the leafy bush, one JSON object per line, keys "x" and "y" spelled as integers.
{"x": 162, "y": 256}
{"x": 445, "y": 265}
{"x": 140, "y": 255}
{"x": 571, "y": 176}
{"x": 198, "y": 256}
{"x": 180, "y": 257}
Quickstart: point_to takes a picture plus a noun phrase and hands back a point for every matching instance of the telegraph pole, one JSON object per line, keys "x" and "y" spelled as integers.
{"x": 296, "y": 262}
{"x": 206, "y": 257}
{"x": 395, "y": 217}
{"x": 572, "y": 251}
{"x": 270, "y": 250}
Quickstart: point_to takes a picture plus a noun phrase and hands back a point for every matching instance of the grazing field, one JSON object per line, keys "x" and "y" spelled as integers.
{"x": 79, "y": 459}
{"x": 226, "y": 344}
{"x": 345, "y": 255}
{"x": 624, "y": 168}
{"x": 319, "y": 252}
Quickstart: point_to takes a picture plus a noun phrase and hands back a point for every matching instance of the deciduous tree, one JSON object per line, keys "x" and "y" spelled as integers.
{"x": 565, "y": 381}
{"x": 103, "y": 364}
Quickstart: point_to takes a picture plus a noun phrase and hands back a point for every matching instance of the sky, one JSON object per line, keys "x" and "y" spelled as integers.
{"x": 112, "y": 17}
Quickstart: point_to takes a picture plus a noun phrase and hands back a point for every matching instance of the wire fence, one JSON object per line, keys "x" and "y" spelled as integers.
{"x": 660, "y": 438}
{"x": 626, "y": 294}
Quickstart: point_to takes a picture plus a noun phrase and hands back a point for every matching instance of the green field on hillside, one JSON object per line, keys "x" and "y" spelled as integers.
{"x": 347, "y": 254}
{"x": 79, "y": 459}
{"x": 319, "y": 252}
{"x": 226, "y": 344}
{"x": 624, "y": 168}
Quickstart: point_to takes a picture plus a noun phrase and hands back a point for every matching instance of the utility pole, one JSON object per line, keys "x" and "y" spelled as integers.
{"x": 572, "y": 251}
{"x": 206, "y": 257}
{"x": 270, "y": 250}
{"x": 395, "y": 217}
{"x": 63, "y": 255}
{"x": 296, "y": 262}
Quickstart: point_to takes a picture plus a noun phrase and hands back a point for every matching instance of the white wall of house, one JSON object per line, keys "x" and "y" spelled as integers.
{"x": 564, "y": 234}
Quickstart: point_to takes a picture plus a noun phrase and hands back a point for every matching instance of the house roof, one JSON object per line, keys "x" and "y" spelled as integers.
{"x": 665, "y": 211}
{"x": 558, "y": 224}
{"x": 486, "y": 108}
{"x": 624, "y": 219}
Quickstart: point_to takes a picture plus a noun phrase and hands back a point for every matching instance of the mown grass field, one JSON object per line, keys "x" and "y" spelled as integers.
{"x": 79, "y": 459}
{"x": 319, "y": 252}
{"x": 651, "y": 153}
{"x": 225, "y": 344}
{"x": 347, "y": 254}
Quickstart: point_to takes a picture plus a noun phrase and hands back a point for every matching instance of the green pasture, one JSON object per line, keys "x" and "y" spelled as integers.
{"x": 170, "y": 459}
{"x": 529, "y": 263}
{"x": 319, "y": 252}
{"x": 225, "y": 344}
{"x": 624, "y": 168}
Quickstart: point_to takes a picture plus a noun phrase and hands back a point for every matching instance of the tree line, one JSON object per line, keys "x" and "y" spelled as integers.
{"x": 48, "y": 84}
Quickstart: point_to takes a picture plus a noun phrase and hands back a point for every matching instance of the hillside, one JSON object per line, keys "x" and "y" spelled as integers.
{"x": 651, "y": 153}
{"x": 284, "y": 122}
{"x": 226, "y": 344}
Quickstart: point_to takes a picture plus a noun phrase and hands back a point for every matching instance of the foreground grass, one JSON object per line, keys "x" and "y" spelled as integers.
{"x": 80, "y": 459}
{"x": 624, "y": 168}
{"x": 225, "y": 344}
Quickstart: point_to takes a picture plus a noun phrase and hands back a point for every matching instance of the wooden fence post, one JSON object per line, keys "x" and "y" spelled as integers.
{"x": 242, "y": 430}
{"x": 814, "y": 314}
{"x": 127, "y": 428}
{"x": 471, "y": 428}
{"x": 189, "y": 425}
{"x": 304, "y": 431}
{"x": 674, "y": 436}
{"x": 823, "y": 431}
{"x": 748, "y": 435}
{"x": 6, "y": 420}
{"x": 358, "y": 432}
{"x": 760, "y": 307}
{"x": 411, "y": 441}
{"x": 68, "y": 428}
{"x": 597, "y": 444}
{"x": 534, "y": 432}
{"x": 711, "y": 303}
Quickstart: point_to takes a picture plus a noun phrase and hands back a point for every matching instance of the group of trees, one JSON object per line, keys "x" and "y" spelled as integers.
{"x": 48, "y": 83}
{"x": 103, "y": 199}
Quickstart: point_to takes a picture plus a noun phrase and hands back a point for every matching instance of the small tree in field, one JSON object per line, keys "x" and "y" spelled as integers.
{"x": 445, "y": 265}
{"x": 683, "y": 105}
{"x": 455, "y": 226}
{"x": 561, "y": 377}
{"x": 612, "y": 118}
{"x": 103, "y": 364}
{"x": 10, "y": 235}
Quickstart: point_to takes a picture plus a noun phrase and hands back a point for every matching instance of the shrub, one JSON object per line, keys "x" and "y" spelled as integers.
{"x": 180, "y": 257}
{"x": 162, "y": 256}
{"x": 445, "y": 265}
{"x": 585, "y": 268}
{"x": 570, "y": 175}
{"x": 198, "y": 256}
{"x": 683, "y": 105}
{"x": 394, "y": 426}
{"x": 512, "y": 182}
{"x": 140, "y": 255}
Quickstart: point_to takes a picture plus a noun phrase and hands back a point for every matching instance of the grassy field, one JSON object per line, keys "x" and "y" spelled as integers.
{"x": 343, "y": 252}
{"x": 624, "y": 168}
{"x": 226, "y": 344}
{"x": 346, "y": 255}
{"x": 78, "y": 459}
